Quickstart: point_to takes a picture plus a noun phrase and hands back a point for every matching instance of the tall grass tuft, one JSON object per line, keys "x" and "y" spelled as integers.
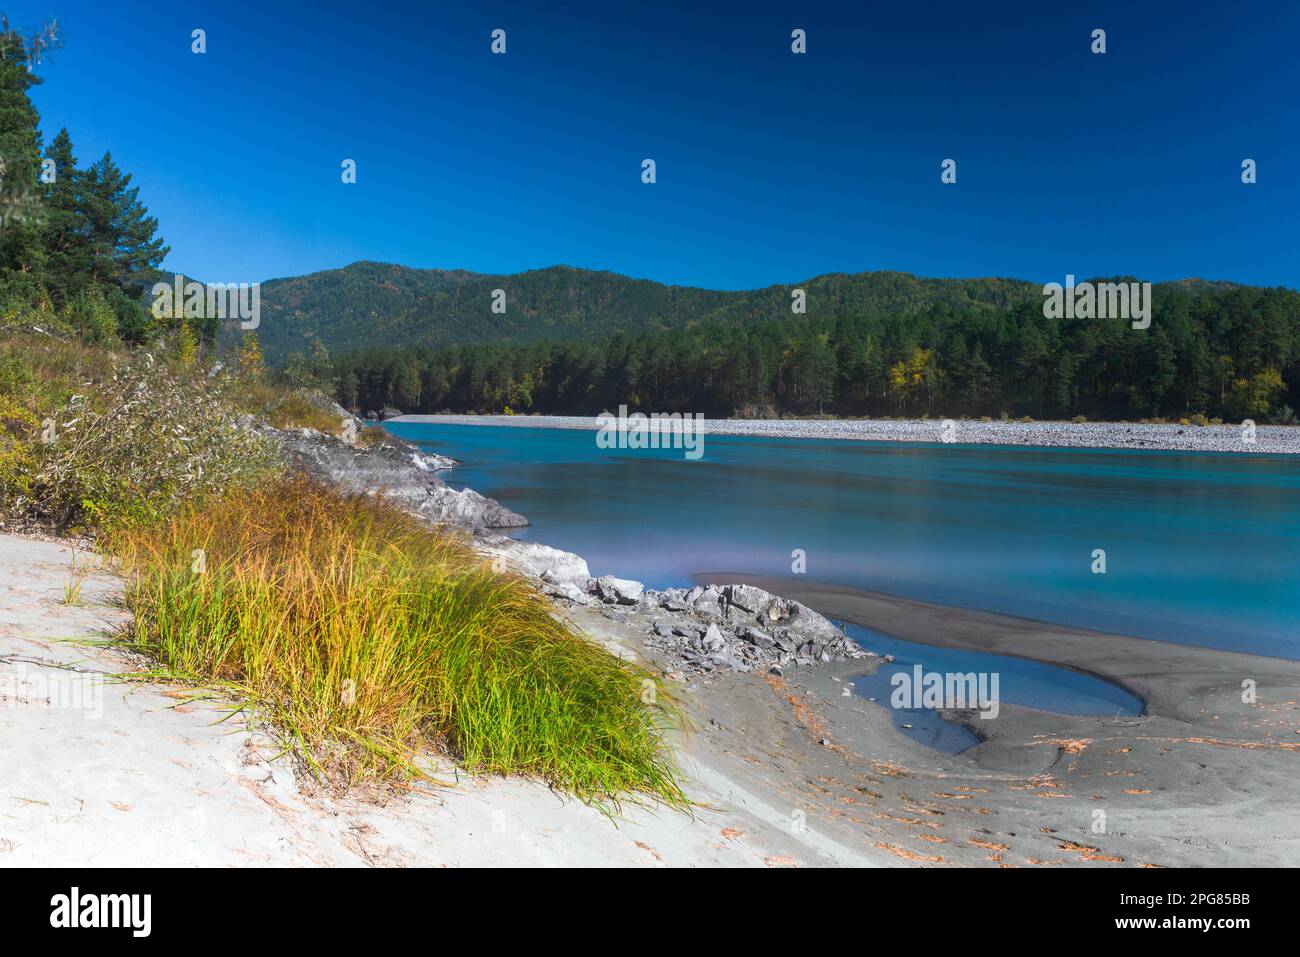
{"x": 366, "y": 636}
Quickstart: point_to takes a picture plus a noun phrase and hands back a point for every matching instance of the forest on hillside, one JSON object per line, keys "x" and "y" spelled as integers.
{"x": 369, "y": 302}
{"x": 1221, "y": 352}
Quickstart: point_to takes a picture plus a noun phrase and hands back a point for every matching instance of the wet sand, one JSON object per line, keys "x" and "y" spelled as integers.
{"x": 1202, "y": 778}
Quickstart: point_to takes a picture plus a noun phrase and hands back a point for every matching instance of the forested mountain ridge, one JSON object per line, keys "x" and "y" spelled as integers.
{"x": 370, "y": 303}
{"x": 1211, "y": 350}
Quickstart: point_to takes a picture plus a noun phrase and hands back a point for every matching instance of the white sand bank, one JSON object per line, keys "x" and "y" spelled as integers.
{"x": 98, "y": 773}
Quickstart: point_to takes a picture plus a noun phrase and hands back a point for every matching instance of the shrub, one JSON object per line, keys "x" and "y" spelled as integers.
{"x": 288, "y": 408}
{"x": 139, "y": 444}
{"x": 372, "y": 435}
{"x": 17, "y": 426}
{"x": 39, "y": 374}
{"x": 92, "y": 317}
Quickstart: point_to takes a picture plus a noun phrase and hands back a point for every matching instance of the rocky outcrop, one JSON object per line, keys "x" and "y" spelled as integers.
{"x": 706, "y": 628}
{"x": 398, "y": 471}
{"x": 741, "y": 627}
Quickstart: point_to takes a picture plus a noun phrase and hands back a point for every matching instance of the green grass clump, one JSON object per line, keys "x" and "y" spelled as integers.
{"x": 366, "y": 636}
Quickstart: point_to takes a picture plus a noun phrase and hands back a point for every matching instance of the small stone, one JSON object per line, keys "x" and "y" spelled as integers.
{"x": 757, "y": 636}
{"x": 620, "y": 591}
{"x": 713, "y": 639}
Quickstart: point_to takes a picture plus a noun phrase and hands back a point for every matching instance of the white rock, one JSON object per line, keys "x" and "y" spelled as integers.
{"x": 541, "y": 561}
{"x": 622, "y": 591}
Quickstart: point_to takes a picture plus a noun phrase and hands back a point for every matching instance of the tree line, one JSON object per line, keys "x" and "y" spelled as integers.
{"x": 77, "y": 247}
{"x": 1229, "y": 352}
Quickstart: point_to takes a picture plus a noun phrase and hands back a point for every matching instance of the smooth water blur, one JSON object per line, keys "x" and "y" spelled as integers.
{"x": 1200, "y": 549}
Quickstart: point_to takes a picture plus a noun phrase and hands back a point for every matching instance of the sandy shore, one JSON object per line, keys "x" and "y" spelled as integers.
{"x": 1278, "y": 439}
{"x": 1201, "y": 778}
{"x": 788, "y": 771}
{"x": 99, "y": 773}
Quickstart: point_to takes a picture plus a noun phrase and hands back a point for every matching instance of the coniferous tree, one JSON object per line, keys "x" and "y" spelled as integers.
{"x": 21, "y": 250}
{"x": 68, "y": 252}
{"x": 124, "y": 248}
{"x": 78, "y": 241}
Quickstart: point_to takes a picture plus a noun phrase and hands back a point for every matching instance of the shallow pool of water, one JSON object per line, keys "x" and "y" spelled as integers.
{"x": 1020, "y": 681}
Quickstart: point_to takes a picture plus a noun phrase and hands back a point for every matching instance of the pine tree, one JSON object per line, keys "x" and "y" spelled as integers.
{"x": 123, "y": 248}
{"x": 67, "y": 246}
{"x": 980, "y": 382}
{"x": 21, "y": 250}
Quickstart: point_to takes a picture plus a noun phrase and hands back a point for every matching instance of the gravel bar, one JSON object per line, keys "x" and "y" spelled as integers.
{"x": 1272, "y": 439}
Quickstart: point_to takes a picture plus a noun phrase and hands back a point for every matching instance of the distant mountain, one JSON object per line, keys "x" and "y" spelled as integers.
{"x": 380, "y": 304}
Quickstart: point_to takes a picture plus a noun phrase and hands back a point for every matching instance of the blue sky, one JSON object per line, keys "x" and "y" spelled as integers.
{"x": 772, "y": 167}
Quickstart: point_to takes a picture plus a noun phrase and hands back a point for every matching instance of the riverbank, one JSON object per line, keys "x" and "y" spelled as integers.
{"x": 102, "y": 773}
{"x": 786, "y": 765}
{"x": 1275, "y": 439}
{"x": 1199, "y": 779}
{"x": 787, "y": 771}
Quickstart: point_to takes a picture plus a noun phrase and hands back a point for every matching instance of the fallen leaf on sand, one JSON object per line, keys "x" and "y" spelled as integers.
{"x": 891, "y": 770}
{"x": 1068, "y": 745}
{"x": 907, "y": 855}
{"x": 1072, "y": 846}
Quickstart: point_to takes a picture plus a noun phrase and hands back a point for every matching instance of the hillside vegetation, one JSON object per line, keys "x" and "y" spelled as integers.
{"x": 369, "y": 303}
{"x": 1212, "y": 350}
{"x": 574, "y": 341}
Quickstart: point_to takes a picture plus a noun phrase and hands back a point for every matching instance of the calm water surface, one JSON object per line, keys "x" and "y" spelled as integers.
{"x": 1200, "y": 549}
